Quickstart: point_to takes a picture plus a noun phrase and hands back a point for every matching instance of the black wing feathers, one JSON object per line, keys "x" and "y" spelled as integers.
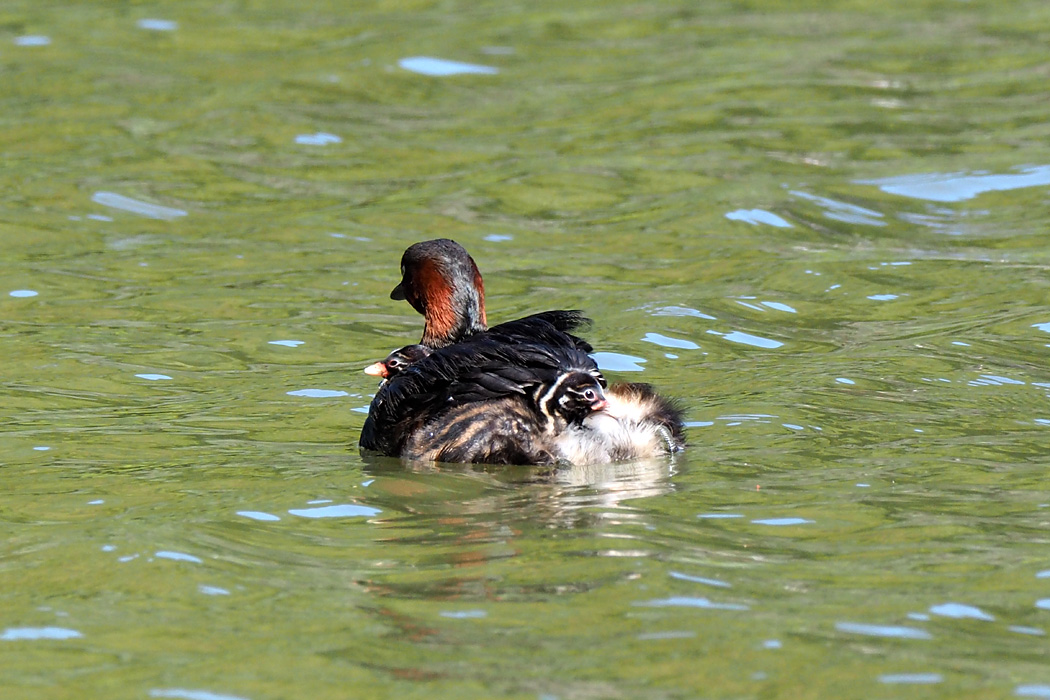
{"x": 510, "y": 359}
{"x": 546, "y": 327}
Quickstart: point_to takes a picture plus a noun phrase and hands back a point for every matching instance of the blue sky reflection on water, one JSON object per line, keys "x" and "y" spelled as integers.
{"x": 958, "y": 187}
{"x": 426, "y": 65}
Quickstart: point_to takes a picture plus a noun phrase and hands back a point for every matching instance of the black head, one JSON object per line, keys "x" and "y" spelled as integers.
{"x": 572, "y": 396}
{"x": 398, "y": 360}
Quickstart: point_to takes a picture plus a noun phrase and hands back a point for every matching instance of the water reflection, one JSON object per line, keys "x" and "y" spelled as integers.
{"x": 178, "y": 556}
{"x": 882, "y": 630}
{"x": 748, "y": 339}
{"x": 960, "y": 611}
{"x": 557, "y": 495}
{"x": 441, "y": 67}
{"x": 672, "y": 634}
{"x": 135, "y": 206}
{"x": 910, "y": 678}
{"x": 778, "y": 306}
{"x": 683, "y": 311}
{"x": 258, "y": 515}
{"x": 691, "y": 602}
{"x": 14, "y": 634}
{"x": 669, "y": 342}
{"x": 618, "y": 362}
{"x": 699, "y": 579}
{"x": 610, "y": 484}
{"x": 843, "y": 211}
{"x": 780, "y": 522}
{"x": 319, "y": 139}
{"x": 1021, "y": 629}
{"x": 346, "y": 510}
{"x": 463, "y": 614}
{"x": 184, "y": 694}
{"x": 758, "y": 216}
{"x": 958, "y": 187}
{"x": 32, "y": 40}
{"x": 158, "y": 25}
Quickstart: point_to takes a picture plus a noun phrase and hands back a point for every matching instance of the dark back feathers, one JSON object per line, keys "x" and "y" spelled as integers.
{"x": 510, "y": 359}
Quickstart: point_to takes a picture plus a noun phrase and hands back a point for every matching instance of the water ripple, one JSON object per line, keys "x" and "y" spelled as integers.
{"x": 748, "y": 339}
{"x": 158, "y": 25}
{"x": 178, "y": 556}
{"x": 32, "y": 633}
{"x": 135, "y": 206}
{"x": 184, "y": 694}
{"x": 618, "y": 362}
{"x": 778, "y": 522}
{"x": 32, "y": 40}
{"x": 340, "y": 511}
{"x": 882, "y": 630}
{"x": 699, "y": 579}
{"x": 463, "y": 614}
{"x": 957, "y": 187}
{"x": 441, "y": 67}
{"x": 668, "y": 342}
{"x": 911, "y": 678}
{"x": 960, "y": 611}
{"x": 258, "y": 515}
{"x": 842, "y": 211}
{"x": 691, "y": 602}
{"x": 686, "y": 311}
{"x": 757, "y": 216}
{"x": 779, "y": 306}
{"x": 319, "y": 139}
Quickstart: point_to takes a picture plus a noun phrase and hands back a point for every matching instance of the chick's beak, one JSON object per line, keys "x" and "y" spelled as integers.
{"x": 377, "y": 370}
{"x": 599, "y": 405}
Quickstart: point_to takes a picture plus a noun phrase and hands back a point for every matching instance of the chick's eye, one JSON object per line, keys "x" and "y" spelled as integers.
{"x": 589, "y": 394}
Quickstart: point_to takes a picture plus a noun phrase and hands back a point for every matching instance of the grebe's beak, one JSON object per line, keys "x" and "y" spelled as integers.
{"x": 398, "y": 292}
{"x": 377, "y": 370}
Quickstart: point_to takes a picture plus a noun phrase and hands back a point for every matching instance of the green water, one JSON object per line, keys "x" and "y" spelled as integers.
{"x": 862, "y": 511}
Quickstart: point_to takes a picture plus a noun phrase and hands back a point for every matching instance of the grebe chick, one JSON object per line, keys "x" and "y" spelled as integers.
{"x": 513, "y": 429}
{"x": 484, "y": 400}
{"x": 398, "y": 360}
{"x": 637, "y": 423}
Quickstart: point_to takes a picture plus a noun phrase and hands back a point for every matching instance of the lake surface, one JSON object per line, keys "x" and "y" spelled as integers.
{"x": 823, "y": 226}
